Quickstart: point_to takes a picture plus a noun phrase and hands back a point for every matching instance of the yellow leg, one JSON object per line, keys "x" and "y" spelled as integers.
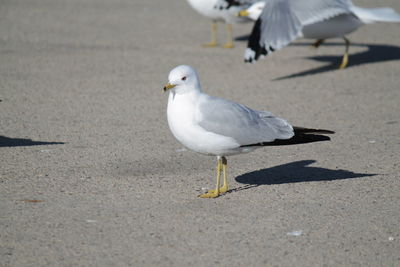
{"x": 213, "y": 42}
{"x": 223, "y": 166}
{"x": 225, "y": 187}
{"x": 318, "y": 43}
{"x": 215, "y": 193}
{"x": 229, "y": 44}
{"x": 345, "y": 60}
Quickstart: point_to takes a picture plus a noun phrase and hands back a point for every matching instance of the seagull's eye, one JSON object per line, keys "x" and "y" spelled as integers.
{"x": 184, "y": 78}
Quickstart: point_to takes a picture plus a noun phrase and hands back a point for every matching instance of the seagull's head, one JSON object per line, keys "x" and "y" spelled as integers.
{"x": 183, "y": 79}
{"x": 254, "y": 11}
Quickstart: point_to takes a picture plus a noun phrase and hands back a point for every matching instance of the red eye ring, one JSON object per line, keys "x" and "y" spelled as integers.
{"x": 184, "y": 78}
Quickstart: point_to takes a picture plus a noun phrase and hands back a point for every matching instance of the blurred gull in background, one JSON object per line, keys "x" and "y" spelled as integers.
{"x": 279, "y": 22}
{"x": 221, "y": 11}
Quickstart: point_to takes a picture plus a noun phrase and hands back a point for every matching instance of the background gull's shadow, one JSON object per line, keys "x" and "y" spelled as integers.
{"x": 242, "y": 38}
{"x": 11, "y": 142}
{"x": 375, "y": 53}
{"x": 293, "y": 172}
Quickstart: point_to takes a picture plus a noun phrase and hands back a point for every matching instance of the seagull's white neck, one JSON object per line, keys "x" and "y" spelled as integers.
{"x": 187, "y": 89}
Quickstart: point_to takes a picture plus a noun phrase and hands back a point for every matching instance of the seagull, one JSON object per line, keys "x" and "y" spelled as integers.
{"x": 218, "y": 127}
{"x": 279, "y": 22}
{"x": 221, "y": 11}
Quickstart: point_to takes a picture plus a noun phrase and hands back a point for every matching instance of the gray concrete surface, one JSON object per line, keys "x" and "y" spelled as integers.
{"x": 120, "y": 191}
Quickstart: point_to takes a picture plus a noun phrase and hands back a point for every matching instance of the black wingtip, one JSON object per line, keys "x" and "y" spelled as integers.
{"x": 255, "y": 49}
{"x": 301, "y": 136}
{"x": 295, "y": 140}
{"x": 254, "y": 41}
{"x": 300, "y": 130}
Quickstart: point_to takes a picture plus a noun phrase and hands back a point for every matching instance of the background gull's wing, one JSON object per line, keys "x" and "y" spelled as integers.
{"x": 282, "y": 20}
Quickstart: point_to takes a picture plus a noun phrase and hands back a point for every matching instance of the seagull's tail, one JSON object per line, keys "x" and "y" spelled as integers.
{"x": 371, "y": 15}
{"x": 301, "y": 136}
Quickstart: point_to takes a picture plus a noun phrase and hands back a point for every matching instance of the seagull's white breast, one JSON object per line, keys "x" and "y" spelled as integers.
{"x": 181, "y": 113}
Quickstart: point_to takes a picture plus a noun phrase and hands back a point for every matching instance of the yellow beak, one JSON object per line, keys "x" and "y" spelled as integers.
{"x": 169, "y": 86}
{"x": 243, "y": 13}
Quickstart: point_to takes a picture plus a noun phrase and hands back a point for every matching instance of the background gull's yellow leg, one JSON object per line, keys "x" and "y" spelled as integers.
{"x": 345, "y": 59}
{"x": 317, "y": 43}
{"x": 229, "y": 44}
{"x": 213, "y": 42}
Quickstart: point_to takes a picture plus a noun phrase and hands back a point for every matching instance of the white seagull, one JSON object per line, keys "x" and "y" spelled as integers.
{"x": 221, "y": 11}
{"x": 279, "y": 22}
{"x": 219, "y": 127}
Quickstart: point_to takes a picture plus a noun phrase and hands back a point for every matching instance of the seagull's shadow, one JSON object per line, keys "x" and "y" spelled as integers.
{"x": 374, "y": 54}
{"x": 12, "y": 142}
{"x": 294, "y": 172}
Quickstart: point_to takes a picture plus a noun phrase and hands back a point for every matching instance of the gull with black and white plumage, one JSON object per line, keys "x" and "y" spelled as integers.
{"x": 221, "y": 128}
{"x": 280, "y": 22}
{"x": 221, "y": 11}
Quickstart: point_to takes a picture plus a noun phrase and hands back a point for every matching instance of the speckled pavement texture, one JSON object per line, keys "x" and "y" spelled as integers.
{"x": 92, "y": 176}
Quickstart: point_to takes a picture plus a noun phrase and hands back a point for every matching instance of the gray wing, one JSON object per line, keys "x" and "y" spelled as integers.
{"x": 245, "y": 125}
{"x": 282, "y": 21}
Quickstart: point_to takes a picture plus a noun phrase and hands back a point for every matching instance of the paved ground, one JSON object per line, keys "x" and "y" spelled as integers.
{"x": 91, "y": 175}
